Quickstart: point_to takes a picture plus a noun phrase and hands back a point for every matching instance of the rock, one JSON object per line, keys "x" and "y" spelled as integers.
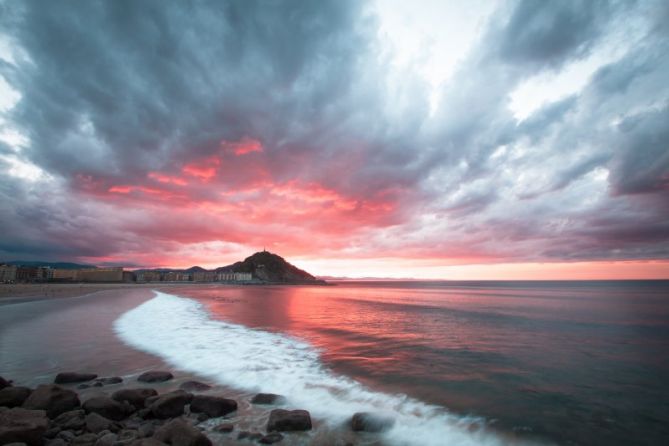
{"x": 109, "y": 380}
{"x": 107, "y": 407}
{"x": 106, "y": 440}
{"x": 213, "y": 406}
{"x": 194, "y": 386}
{"x": 127, "y": 436}
{"x": 14, "y": 396}
{"x": 171, "y": 404}
{"x": 267, "y": 398}
{"x": 23, "y": 425}
{"x": 96, "y": 423}
{"x": 16, "y": 444}
{"x": 83, "y": 386}
{"x": 71, "y": 420}
{"x": 85, "y": 440}
{"x": 52, "y": 398}
{"x": 146, "y": 430}
{"x": 179, "y": 433}
{"x": 150, "y": 400}
{"x": 224, "y": 428}
{"x": 73, "y": 377}
{"x": 56, "y": 442}
{"x": 148, "y": 442}
{"x": 289, "y": 420}
{"x": 4, "y": 383}
{"x": 246, "y": 435}
{"x": 370, "y": 422}
{"x": 68, "y": 436}
{"x": 154, "y": 377}
{"x": 52, "y": 432}
{"x": 271, "y": 438}
{"x": 136, "y": 397}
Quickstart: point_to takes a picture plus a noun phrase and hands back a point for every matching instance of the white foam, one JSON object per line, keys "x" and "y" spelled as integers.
{"x": 180, "y": 331}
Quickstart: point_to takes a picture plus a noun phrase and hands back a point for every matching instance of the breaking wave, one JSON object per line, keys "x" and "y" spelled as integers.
{"x": 180, "y": 331}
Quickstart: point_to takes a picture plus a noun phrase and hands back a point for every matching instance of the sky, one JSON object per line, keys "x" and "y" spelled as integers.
{"x": 427, "y": 139}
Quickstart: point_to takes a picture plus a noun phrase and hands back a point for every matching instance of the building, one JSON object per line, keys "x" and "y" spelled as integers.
{"x": 7, "y": 273}
{"x": 27, "y": 274}
{"x": 204, "y": 276}
{"x": 234, "y": 277}
{"x": 148, "y": 276}
{"x": 100, "y": 275}
{"x": 63, "y": 275}
{"x": 128, "y": 276}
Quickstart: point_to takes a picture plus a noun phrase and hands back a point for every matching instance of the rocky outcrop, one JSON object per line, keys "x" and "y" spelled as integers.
{"x": 14, "y": 396}
{"x": 155, "y": 376}
{"x": 4, "y": 383}
{"x": 18, "y": 425}
{"x": 289, "y": 420}
{"x": 179, "y": 433}
{"x": 53, "y": 399}
{"x": 74, "y": 377}
{"x": 72, "y": 420}
{"x": 269, "y": 267}
{"x": 135, "y": 397}
{"x": 370, "y": 422}
{"x": 212, "y": 406}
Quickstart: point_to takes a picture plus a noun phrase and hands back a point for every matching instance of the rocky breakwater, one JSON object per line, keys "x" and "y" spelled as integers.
{"x": 131, "y": 414}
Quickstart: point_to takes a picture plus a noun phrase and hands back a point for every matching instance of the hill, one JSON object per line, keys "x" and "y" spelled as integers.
{"x": 56, "y": 265}
{"x": 269, "y": 267}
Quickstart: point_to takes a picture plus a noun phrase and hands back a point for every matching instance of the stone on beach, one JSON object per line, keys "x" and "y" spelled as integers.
{"x": 109, "y": 380}
{"x": 71, "y": 420}
{"x": 136, "y": 397}
{"x": 155, "y": 376}
{"x": 170, "y": 404}
{"x": 53, "y": 399}
{"x": 74, "y": 377}
{"x": 4, "y": 383}
{"x": 271, "y": 438}
{"x": 106, "y": 407}
{"x": 370, "y": 422}
{"x": 179, "y": 433}
{"x": 213, "y": 406}
{"x": 225, "y": 428}
{"x": 87, "y": 439}
{"x": 14, "y": 396}
{"x": 289, "y": 420}
{"x": 96, "y": 423}
{"x": 22, "y": 426}
{"x": 267, "y": 398}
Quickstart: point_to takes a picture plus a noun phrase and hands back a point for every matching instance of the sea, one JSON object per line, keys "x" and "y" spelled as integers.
{"x": 452, "y": 363}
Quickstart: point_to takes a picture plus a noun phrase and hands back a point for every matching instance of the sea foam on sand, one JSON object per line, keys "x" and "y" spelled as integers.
{"x": 180, "y": 331}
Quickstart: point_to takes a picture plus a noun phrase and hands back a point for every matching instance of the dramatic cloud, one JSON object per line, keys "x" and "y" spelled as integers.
{"x": 153, "y": 133}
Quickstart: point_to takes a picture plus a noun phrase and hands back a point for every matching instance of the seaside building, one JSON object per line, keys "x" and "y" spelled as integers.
{"x": 148, "y": 276}
{"x": 114, "y": 274}
{"x": 63, "y": 275}
{"x": 7, "y": 273}
{"x": 204, "y": 276}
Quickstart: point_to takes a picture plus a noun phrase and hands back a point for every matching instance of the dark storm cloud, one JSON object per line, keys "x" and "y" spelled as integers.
{"x": 550, "y": 33}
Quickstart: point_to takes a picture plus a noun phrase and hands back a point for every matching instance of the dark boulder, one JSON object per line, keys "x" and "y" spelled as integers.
{"x": 370, "y": 422}
{"x": 73, "y": 377}
{"x": 136, "y": 397}
{"x": 194, "y": 386}
{"x": 271, "y": 438}
{"x": 4, "y": 383}
{"x": 213, "y": 406}
{"x": 148, "y": 442}
{"x": 179, "y": 433}
{"x": 96, "y": 423}
{"x": 71, "y": 420}
{"x": 106, "y": 407}
{"x": 289, "y": 420}
{"x": 267, "y": 398}
{"x": 171, "y": 404}
{"x": 154, "y": 376}
{"x": 19, "y": 425}
{"x": 14, "y": 396}
{"x": 53, "y": 399}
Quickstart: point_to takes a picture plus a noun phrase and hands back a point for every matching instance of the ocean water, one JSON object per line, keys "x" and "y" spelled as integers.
{"x": 454, "y": 363}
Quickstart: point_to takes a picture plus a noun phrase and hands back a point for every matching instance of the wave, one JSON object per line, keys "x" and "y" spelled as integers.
{"x": 180, "y": 331}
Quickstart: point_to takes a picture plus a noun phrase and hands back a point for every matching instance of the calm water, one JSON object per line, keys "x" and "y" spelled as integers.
{"x": 558, "y": 362}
